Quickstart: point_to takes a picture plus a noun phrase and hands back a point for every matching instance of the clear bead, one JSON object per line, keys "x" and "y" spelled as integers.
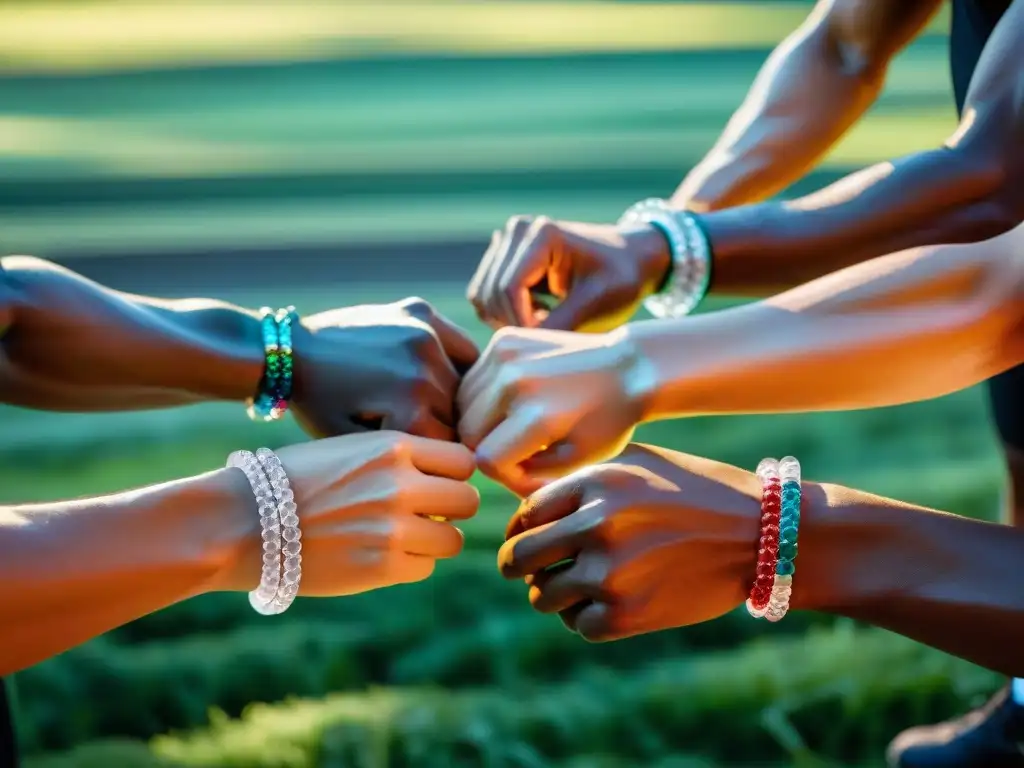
{"x": 789, "y": 469}
{"x": 292, "y": 548}
{"x": 292, "y": 534}
{"x": 767, "y": 469}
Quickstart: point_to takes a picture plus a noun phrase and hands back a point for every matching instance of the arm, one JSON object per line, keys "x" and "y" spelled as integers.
{"x": 76, "y": 569}
{"x": 940, "y": 579}
{"x": 811, "y": 90}
{"x": 69, "y": 344}
{"x": 901, "y": 328}
{"x": 966, "y": 190}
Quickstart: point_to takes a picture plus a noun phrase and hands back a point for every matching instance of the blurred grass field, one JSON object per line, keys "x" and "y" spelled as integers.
{"x": 134, "y": 129}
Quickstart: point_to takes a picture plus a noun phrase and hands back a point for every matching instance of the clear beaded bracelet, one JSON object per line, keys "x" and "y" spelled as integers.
{"x": 690, "y": 277}
{"x": 262, "y": 599}
{"x": 290, "y": 533}
{"x": 780, "y": 528}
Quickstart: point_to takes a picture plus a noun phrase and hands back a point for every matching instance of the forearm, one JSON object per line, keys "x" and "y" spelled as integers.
{"x": 804, "y": 99}
{"x": 902, "y": 328}
{"x": 940, "y": 196}
{"x": 72, "y": 345}
{"x": 943, "y": 580}
{"x": 73, "y": 570}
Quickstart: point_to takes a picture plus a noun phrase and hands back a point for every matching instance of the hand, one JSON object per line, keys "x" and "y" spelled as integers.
{"x": 379, "y": 366}
{"x": 541, "y": 403}
{"x": 600, "y": 272}
{"x": 658, "y": 539}
{"x": 363, "y": 502}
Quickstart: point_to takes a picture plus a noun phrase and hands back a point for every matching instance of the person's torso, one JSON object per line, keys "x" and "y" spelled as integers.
{"x": 973, "y": 22}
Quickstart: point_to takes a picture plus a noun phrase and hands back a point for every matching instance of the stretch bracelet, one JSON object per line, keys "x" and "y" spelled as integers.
{"x": 768, "y": 546}
{"x": 290, "y": 534}
{"x": 262, "y": 598}
{"x": 275, "y": 388}
{"x": 780, "y": 527}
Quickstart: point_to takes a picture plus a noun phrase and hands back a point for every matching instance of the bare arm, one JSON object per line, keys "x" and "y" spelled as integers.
{"x": 943, "y": 580}
{"x": 966, "y": 190}
{"x": 68, "y": 344}
{"x": 897, "y": 329}
{"x": 73, "y": 570}
{"x": 811, "y": 90}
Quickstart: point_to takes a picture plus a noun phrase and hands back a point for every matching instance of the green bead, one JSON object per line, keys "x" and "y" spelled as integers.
{"x": 785, "y": 568}
{"x": 787, "y": 550}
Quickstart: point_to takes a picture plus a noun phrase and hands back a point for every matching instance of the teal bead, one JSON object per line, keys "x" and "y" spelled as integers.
{"x": 787, "y": 550}
{"x": 785, "y": 568}
{"x": 788, "y": 534}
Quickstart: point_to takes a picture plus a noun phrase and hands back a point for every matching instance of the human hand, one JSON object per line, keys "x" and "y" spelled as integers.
{"x": 539, "y": 404}
{"x": 364, "y": 502}
{"x": 379, "y": 366}
{"x": 657, "y": 539}
{"x": 600, "y": 272}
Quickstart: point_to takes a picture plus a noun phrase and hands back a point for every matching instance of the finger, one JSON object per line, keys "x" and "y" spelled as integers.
{"x": 556, "y": 592}
{"x": 525, "y": 269}
{"x": 497, "y": 308}
{"x": 582, "y": 303}
{"x": 409, "y": 569}
{"x": 571, "y": 614}
{"x": 442, "y": 497}
{"x": 595, "y": 622}
{"x": 474, "y": 292}
{"x": 457, "y": 344}
{"x": 541, "y": 547}
{"x": 559, "y": 459}
{"x": 523, "y": 433}
{"x": 439, "y": 458}
{"x": 419, "y": 536}
{"x": 552, "y": 502}
{"x": 420, "y": 420}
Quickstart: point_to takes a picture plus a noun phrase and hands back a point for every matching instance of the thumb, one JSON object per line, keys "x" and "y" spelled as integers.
{"x": 584, "y": 302}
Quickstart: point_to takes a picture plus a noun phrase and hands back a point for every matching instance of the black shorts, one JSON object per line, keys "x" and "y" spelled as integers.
{"x": 1006, "y": 392}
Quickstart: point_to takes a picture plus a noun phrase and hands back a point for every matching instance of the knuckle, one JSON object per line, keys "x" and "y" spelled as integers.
{"x": 395, "y": 447}
{"x": 417, "y": 306}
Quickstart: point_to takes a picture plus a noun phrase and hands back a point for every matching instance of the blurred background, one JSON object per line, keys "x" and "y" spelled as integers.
{"x": 324, "y": 154}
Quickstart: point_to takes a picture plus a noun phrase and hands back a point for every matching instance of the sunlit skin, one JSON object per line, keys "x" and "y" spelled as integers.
{"x": 84, "y": 567}
{"x": 659, "y": 539}
{"x": 902, "y": 328}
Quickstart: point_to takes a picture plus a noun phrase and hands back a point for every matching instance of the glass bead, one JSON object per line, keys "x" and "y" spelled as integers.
{"x": 291, "y": 534}
{"x": 291, "y": 548}
{"x": 789, "y": 468}
{"x": 785, "y": 568}
{"x": 787, "y": 550}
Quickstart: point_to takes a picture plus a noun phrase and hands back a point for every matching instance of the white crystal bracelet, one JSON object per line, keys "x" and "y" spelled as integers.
{"x": 289, "y": 520}
{"x": 691, "y": 257}
{"x": 262, "y": 599}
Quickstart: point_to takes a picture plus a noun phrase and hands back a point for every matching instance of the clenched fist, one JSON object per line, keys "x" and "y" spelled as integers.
{"x": 379, "y": 366}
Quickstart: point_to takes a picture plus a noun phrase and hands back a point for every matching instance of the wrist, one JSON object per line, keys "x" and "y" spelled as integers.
{"x": 231, "y": 359}
{"x": 652, "y": 254}
{"x": 641, "y": 377}
{"x": 845, "y": 540}
{"x": 231, "y": 543}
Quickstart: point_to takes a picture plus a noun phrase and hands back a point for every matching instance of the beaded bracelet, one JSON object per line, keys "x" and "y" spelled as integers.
{"x": 262, "y": 598}
{"x": 768, "y": 546}
{"x": 291, "y": 534}
{"x": 780, "y": 527}
{"x": 275, "y": 388}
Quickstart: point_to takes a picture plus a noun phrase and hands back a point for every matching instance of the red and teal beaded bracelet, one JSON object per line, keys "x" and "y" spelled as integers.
{"x": 275, "y": 388}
